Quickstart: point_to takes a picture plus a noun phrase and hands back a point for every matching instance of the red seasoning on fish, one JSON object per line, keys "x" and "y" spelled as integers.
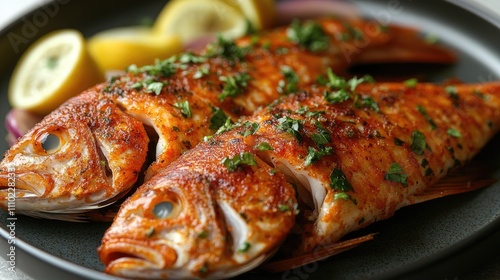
{"x": 332, "y": 158}
{"x": 100, "y": 137}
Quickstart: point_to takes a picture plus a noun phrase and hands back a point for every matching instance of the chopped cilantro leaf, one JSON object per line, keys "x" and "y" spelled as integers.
{"x": 291, "y": 81}
{"x": 155, "y": 87}
{"x": 314, "y": 155}
{"x": 426, "y": 116}
{"x": 264, "y": 146}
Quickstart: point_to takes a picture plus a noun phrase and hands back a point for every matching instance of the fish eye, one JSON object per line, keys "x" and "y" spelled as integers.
{"x": 164, "y": 210}
{"x": 50, "y": 142}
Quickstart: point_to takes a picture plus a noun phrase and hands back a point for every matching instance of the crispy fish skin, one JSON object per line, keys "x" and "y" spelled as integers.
{"x": 263, "y": 58}
{"x": 177, "y": 98}
{"x": 222, "y": 223}
{"x": 426, "y": 130}
{"x": 73, "y": 170}
{"x": 347, "y": 188}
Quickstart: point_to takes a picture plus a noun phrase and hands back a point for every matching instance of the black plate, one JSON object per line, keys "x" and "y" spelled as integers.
{"x": 438, "y": 239}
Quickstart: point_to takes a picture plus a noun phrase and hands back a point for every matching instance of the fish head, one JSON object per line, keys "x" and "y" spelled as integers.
{"x": 76, "y": 159}
{"x": 190, "y": 222}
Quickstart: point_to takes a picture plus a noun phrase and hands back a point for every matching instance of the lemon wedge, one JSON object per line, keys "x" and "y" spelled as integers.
{"x": 260, "y": 13}
{"x": 53, "y": 69}
{"x": 117, "y": 48}
{"x": 193, "y": 19}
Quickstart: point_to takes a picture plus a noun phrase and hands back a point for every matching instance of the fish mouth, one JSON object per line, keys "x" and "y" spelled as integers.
{"x": 29, "y": 184}
{"x": 128, "y": 256}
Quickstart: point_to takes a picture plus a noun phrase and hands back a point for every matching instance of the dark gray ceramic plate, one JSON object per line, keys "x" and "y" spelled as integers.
{"x": 438, "y": 239}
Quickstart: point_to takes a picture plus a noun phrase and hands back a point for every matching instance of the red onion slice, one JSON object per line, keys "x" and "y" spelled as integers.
{"x": 18, "y": 122}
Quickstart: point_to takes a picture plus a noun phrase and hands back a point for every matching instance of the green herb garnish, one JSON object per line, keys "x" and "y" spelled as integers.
{"x": 183, "y": 106}
{"x": 291, "y": 81}
{"x": 309, "y": 35}
{"x": 155, "y": 87}
{"x": 244, "y": 158}
{"x": 244, "y": 247}
{"x": 396, "y": 174}
{"x": 454, "y": 133}
{"x": 233, "y": 85}
{"x": 426, "y": 116}
{"x": 227, "y": 49}
{"x": 217, "y": 119}
{"x": 291, "y": 126}
{"x": 264, "y": 146}
{"x": 418, "y": 142}
{"x": 411, "y": 83}
{"x": 314, "y": 155}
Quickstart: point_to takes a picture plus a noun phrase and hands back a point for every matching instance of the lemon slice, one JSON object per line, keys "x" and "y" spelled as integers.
{"x": 192, "y": 19}
{"x": 260, "y": 13}
{"x": 117, "y": 48}
{"x": 53, "y": 69}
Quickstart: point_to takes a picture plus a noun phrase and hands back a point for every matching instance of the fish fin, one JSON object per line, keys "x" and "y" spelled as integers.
{"x": 470, "y": 177}
{"x": 320, "y": 253}
{"x": 406, "y": 46}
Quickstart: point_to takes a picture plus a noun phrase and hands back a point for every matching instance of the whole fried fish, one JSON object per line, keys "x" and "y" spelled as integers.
{"x": 352, "y": 152}
{"x": 98, "y": 151}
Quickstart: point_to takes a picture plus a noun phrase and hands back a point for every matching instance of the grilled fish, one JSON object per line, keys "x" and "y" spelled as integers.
{"x": 177, "y": 102}
{"x": 351, "y": 152}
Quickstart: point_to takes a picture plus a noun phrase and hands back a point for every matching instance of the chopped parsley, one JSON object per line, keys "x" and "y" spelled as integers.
{"x": 233, "y": 85}
{"x": 244, "y": 158}
{"x": 155, "y": 87}
{"x": 291, "y": 81}
{"x": 217, "y": 119}
{"x": 191, "y": 58}
{"x": 226, "y": 126}
{"x": 337, "y": 96}
{"x": 345, "y": 89}
{"x": 454, "y": 133}
{"x": 314, "y": 155}
{"x": 227, "y": 49}
{"x": 264, "y": 146}
{"x": 244, "y": 247}
{"x": 453, "y": 94}
{"x": 418, "y": 143}
{"x": 367, "y": 102}
{"x": 251, "y": 128}
{"x": 411, "y": 83}
{"x": 426, "y": 116}
{"x": 203, "y": 70}
{"x": 322, "y": 137}
{"x": 283, "y": 208}
{"x": 396, "y": 174}
{"x": 398, "y": 142}
{"x": 339, "y": 182}
{"x": 309, "y": 35}
{"x": 184, "y": 107}
{"x": 291, "y": 126}
{"x": 164, "y": 68}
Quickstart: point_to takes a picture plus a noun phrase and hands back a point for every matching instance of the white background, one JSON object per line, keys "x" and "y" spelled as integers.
{"x": 12, "y": 9}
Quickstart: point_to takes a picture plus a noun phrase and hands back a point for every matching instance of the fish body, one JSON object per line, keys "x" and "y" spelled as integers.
{"x": 180, "y": 100}
{"x": 349, "y": 160}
